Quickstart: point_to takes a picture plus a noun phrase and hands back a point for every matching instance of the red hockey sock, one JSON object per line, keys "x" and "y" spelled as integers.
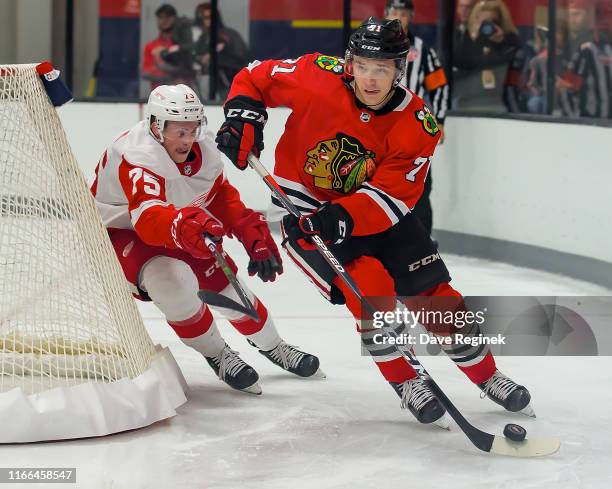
{"x": 194, "y": 326}
{"x": 247, "y": 325}
{"x": 397, "y": 370}
{"x": 482, "y": 371}
{"x": 485, "y": 367}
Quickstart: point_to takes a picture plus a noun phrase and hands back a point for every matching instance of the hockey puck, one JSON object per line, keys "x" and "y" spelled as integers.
{"x": 515, "y": 432}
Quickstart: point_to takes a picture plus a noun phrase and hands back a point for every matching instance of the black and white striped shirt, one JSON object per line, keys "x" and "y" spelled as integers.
{"x": 591, "y": 79}
{"x": 425, "y": 76}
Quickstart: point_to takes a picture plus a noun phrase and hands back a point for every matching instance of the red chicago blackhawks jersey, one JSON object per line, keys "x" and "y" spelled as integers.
{"x": 334, "y": 148}
{"x": 138, "y": 186}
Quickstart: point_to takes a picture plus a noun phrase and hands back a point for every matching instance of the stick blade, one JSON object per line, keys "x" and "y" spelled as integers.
{"x": 530, "y": 447}
{"x": 218, "y": 300}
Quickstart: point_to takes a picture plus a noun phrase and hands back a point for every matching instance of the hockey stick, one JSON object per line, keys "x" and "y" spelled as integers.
{"x": 218, "y": 300}
{"x": 482, "y": 440}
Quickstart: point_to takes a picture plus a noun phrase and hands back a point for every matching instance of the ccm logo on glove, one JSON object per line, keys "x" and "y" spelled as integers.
{"x": 246, "y": 115}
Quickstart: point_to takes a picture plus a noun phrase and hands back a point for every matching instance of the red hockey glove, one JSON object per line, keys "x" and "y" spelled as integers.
{"x": 331, "y": 222}
{"x": 188, "y": 230}
{"x": 253, "y": 232}
{"x": 242, "y": 131}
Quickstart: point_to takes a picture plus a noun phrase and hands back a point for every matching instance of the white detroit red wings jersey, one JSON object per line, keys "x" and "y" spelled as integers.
{"x": 138, "y": 186}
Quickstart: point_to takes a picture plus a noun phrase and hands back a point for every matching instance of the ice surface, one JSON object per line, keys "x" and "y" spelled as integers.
{"x": 348, "y": 431}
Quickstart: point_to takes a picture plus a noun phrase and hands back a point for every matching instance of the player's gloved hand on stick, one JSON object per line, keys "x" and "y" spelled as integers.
{"x": 188, "y": 230}
{"x": 331, "y": 222}
{"x": 253, "y": 232}
{"x": 242, "y": 131}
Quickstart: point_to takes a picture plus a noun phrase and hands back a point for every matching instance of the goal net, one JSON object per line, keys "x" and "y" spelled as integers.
{"x": 70, "y": 332}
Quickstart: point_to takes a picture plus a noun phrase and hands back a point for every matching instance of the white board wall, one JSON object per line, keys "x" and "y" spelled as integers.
{"x": 542, "y": 184}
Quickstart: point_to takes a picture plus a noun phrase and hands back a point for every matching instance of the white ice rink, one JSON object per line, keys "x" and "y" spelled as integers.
{"x": 348, "y": 431}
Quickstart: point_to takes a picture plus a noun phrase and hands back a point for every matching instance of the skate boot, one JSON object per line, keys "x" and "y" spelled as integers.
{"x": 507, "y": 393}
{"x": 289, "y": 358}
{"x": 418, "y": 398}
{"x": 232, "y": 370}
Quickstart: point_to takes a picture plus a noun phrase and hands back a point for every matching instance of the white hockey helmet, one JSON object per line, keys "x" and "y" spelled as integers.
{"x": 173, "y": 103}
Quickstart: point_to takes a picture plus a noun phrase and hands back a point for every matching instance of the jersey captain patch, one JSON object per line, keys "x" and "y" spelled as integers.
{"x": 330, "y": 63}
{"x": 341, "y": 163}
{"x": 430, "y": 125}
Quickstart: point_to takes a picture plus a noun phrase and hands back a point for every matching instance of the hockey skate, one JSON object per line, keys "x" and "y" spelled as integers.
{"x": 416, "y": 396}
{"x": 289, "y": 358}
{"x": 507, "y": 393}
{"x": 236, "y": 373}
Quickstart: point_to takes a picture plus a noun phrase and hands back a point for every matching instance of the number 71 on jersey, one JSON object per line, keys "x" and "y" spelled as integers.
{"x": 419, "y": 163}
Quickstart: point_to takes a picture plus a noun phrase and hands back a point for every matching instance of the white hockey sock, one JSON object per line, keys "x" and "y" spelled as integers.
{"x": 208, "y": 344}
{"x": 267, "y": 338}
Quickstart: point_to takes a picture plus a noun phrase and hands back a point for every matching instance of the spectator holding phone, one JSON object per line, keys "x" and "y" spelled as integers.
{"x": 485, "y": 56}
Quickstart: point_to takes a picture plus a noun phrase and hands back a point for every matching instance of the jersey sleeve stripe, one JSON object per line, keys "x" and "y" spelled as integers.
{"x": 136, "y": 213}
{"x": 302, "y": 199}
{"x": 398, "y": 205}
{"x": 387, "y": 206}
{"x": 299, "y": 207}
{"x": 297, "y": 190}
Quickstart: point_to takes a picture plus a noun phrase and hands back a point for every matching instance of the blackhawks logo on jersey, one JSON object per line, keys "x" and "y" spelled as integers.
{"x": 341, "y": 164}
{"x": 330, "y": 63}
{"x": 428, "y": 120}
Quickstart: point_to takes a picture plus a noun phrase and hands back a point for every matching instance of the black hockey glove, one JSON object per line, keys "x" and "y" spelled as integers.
{"x": 242, "y": 131}
{"x": 331, "y": 222}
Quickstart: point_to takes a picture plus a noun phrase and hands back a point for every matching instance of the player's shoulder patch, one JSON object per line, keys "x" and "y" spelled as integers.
{"x": 330, "y": 63}
{"x": 427, "y": 120}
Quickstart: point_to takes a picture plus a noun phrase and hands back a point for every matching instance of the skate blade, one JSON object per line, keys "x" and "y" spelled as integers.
{"x": 254, "y": 389}
{"x": 319, "y": 374}
{"x": 528, "y": 411}
{"x": 443, "y": 422}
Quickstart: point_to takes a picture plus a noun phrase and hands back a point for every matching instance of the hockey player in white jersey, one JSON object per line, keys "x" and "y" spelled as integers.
{"x": 160, "y": 188}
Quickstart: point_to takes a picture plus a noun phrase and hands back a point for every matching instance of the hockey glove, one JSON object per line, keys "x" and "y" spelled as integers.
{"x": 331, "y": 222}
{"x": 242, "y": 131}
{"x": 253, "y": 232}
{"x": 188, "y": 230}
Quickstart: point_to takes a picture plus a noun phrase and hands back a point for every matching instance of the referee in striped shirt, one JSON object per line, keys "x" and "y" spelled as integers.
{"x": 425, "y": 77}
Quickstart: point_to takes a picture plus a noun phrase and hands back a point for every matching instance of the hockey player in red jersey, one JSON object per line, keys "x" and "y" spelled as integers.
{"x": 353, "y": 157}
{"x": 160, "y": 188}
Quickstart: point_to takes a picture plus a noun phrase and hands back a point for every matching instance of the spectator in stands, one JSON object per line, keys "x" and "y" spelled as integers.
{"x": 587, "y": 84}
{"x": 537, "y": 82}
{"x": 425, "y": 77}
{"x": 580, "y": 23}
{"x": 232, "y": 51}
{"x": 462, "y": 15}
{"x": 485, "y": 56}
{"x": 168, "y": 59}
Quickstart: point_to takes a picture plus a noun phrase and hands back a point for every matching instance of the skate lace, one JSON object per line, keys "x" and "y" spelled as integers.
{"x": 288, "y": 355}
{"x": 498, "y": 386}
{"x": 416, "y": 393}
{"x": 229, "y": 363}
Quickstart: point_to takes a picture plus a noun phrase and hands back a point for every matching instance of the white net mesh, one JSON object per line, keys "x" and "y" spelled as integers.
{"x": 66, "y": 315}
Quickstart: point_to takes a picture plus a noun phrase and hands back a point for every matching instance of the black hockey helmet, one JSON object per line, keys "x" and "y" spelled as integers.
{"x": 379, "y": 38}
{"x": 405, "y": 4}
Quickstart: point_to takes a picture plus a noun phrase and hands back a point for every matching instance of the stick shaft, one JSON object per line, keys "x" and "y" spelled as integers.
{"x": 231, "y": 277}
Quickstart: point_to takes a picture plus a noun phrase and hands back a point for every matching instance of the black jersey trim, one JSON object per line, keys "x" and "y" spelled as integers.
{"x": 396, "y": 210}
